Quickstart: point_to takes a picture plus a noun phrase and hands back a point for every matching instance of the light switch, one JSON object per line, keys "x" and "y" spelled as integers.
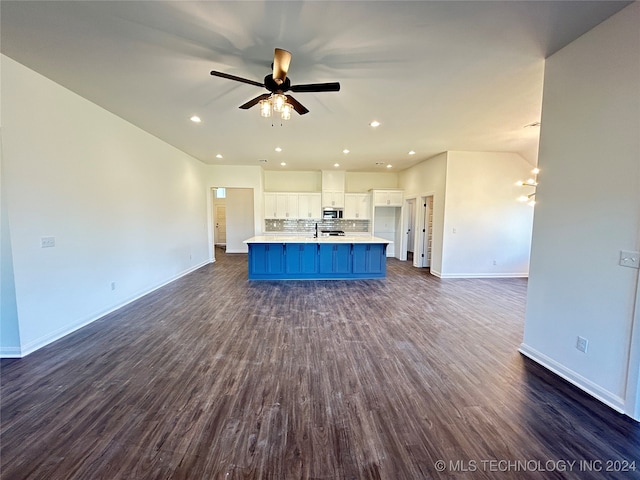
{"x": 629, "y": 259}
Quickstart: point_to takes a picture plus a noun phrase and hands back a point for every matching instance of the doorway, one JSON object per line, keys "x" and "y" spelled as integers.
{"x": 410, "y": 220}
{"x": 424, "y": 235}
{"x": 232, "y": 212}
{"x": 220, "y": 217}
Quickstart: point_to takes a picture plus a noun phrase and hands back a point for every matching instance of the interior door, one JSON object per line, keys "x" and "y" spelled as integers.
{"x": 410, "y": 228}
{"x": 221, "y": 224}
{"x": 427, "y": 231}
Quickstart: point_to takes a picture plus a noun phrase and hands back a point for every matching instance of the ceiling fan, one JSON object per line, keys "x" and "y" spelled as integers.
{"x": 277, "y": 83}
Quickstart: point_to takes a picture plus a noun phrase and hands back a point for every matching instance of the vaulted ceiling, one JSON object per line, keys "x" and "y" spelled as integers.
{"x": 438, "y": 76}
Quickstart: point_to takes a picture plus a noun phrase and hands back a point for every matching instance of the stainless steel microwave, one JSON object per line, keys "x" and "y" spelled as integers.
{"x": 332, "y": 213}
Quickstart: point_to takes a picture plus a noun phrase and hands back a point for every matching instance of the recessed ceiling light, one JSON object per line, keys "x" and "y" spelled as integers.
{"x": 345, "y": 151}
{"x": 283, "y": 163}
{"x": 278, "y": 149}
{"x": 218, "y": 156}
{"x": 195, "y": 119}
{"x": 336, "y": 164}
{"x": 412, "y": 152}
{"x": 389, "y": 166}
{"x": 375, "y": 123}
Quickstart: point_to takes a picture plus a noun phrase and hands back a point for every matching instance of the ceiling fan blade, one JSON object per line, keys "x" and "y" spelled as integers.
{"x": 237, "y": 79}
{"x": 251, "y": 103}
{"x": 297, "y": 106}
{"x": 281, "y": 61}
{"x": 316, "y": 87}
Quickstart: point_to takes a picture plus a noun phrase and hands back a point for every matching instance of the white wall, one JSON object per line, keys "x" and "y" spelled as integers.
{"x": 362, "y": 182}
{"x": 474, "y": 193}
{"x": 311, "y": 181}
{"x": 123, "y": 206}
{"x": 483, "y": 223}
{"x": 9, "y": 329}
{"x": 425, "y": 179}
{"x": 296, "y": 181}
{"x": 240, "y": 222}
{"x": 588, "y": 210}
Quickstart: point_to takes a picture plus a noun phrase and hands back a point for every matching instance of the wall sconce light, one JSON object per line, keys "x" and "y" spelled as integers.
{"x": 532, "y": 183}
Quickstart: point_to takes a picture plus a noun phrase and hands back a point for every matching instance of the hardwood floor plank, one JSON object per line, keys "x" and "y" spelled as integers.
{"x": 216, "y": 377}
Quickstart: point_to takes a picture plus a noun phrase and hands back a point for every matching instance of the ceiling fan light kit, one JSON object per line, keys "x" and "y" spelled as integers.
{"x": 265, "y": 108}
{"x": 278, "y": 84}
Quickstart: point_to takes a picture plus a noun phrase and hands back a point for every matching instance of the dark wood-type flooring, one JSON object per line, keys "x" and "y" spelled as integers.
{"x": 216, "y": 377}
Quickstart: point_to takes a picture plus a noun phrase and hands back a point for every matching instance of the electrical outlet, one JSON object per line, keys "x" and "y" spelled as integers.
{"x": 113, "y": 285}
{"x": 629, "y": 259}
{"x": 582, "y": 344}
{"x": 47, "y": 242}
{"x": 494, "y": 263}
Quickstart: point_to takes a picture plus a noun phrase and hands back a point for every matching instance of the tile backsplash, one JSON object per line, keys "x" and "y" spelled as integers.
{"x": 309, "y": 225}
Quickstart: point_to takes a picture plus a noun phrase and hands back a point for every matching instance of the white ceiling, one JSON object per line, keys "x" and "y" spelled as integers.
{"x": 439, "y": 76}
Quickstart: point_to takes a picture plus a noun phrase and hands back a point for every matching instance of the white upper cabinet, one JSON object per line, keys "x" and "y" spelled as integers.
{"x": 309, "y": 205}
{"x": 333, "y": 180}
{"x": 270, "y": 205}
{"x": 332, "y": 198}
{"x": 357, "y": 206}
{"x": 280, "y": 205}
{"x": 292, "y": 205}
{"x": 333, "y": 188}
{"x": 387, "y": 198}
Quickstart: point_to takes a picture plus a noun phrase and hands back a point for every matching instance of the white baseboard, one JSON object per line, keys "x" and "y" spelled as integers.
{"x": 26, "y": 349}
{"x": 10, "y": 352}
{"x": 483, "y": 275}
{"x": 232, "y": 250}
{"x": 478, "y": 275}
{"x": 574, "y": 378}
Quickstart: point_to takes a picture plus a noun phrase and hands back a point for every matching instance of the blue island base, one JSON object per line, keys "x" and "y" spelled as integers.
{"x": 317, "y": 261}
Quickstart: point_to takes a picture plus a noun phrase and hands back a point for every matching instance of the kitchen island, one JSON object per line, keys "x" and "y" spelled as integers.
{"x": 291, "y": 257}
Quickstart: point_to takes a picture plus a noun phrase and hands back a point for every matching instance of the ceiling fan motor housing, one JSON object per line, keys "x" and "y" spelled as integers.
{"x": 271, "y": 85}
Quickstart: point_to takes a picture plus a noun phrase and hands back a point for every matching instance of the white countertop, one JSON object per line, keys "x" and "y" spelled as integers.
{"x": 310, "y": 239}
